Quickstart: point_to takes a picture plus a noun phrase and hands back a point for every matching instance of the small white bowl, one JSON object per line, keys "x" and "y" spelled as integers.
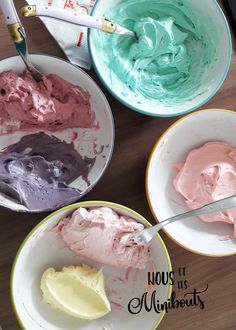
{"x": 188, "y": 133}
{"x": 102, "y": 137}
{"x": 42, "y": 249}
{"x": 211, "y": 81}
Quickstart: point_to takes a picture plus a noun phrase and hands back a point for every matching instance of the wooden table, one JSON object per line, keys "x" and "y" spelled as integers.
{"x": 135, "y": 137}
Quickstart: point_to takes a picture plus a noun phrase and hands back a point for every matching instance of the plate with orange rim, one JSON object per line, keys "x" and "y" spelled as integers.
{"x": 192, "y": 131}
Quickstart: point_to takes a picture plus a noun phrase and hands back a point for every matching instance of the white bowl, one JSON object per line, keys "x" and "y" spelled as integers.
{"x": 104, "y": 136}
{"x": 173, "y": 146}
{"x": 42, "y": 249}
{"x": 211, "y": 82}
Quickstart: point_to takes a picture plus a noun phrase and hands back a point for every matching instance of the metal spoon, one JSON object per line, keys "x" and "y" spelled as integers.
{"x": 74, "y": 18}
{"x": 18, "y": 35}
{"x": 145, "y": 236}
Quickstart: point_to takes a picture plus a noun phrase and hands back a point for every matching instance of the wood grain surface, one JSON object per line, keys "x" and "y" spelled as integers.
{"x": 123, "y": 182}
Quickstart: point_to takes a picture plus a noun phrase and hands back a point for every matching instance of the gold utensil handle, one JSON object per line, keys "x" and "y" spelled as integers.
{"x": 29, "y": 11}
{"x": 16, "y": 35}
{"x": 108, "y": 26}
{"x": 83, "y": 20}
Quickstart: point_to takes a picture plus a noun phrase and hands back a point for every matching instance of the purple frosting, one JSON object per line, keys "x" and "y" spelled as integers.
{"x": 37, "y": 170}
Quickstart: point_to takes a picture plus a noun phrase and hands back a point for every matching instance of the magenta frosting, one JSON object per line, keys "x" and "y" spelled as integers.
{"x": 52, "y": 104}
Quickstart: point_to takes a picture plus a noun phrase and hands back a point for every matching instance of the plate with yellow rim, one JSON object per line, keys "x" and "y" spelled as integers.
{"x": 187, "y": 133}
{"x": 43, "y": 248}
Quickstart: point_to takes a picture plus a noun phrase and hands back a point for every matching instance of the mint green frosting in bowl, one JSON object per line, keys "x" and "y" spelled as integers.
{"x": 179, "y": 61}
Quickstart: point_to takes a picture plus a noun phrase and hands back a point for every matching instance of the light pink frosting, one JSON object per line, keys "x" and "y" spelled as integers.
{"x": 53, "y": 104}
{"x": 207, "y": 175}
{"x": 103, "y": 235}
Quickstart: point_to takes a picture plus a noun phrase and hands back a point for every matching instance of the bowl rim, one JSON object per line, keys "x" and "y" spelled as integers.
{"x": 111, "y": 119}
{"x": 148, "y": 113}
{"x": 73, "y": 206}
{"x": 156, "y": 145}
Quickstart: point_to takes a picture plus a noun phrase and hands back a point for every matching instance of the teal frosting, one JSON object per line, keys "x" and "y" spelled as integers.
{"x": 167, "y": 63}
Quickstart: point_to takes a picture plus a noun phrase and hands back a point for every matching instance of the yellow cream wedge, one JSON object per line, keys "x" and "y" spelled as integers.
{"x": 77, "y": 291}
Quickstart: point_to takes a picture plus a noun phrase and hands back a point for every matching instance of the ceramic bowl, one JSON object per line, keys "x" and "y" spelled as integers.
{"x": 97, "y": 143}
{"x": 188, "y": 133}
{"x": 42, "y": 248}
{"x": 211, "y": 82}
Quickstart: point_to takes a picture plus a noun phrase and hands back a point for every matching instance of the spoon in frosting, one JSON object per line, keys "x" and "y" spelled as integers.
{"x": 102, "y": 24}
{"x": 18, "y": 35}
{"x": 145, "y": 236}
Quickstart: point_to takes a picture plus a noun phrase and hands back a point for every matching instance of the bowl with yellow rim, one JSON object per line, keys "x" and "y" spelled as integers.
{"x": 43, "y": 248}
{"x": 190, "y": 132}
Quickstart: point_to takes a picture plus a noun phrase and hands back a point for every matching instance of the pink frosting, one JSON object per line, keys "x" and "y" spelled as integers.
{"x": 207, "y": 175}
{"x": 103, "y": 236}
{"x": 53, "y": 104}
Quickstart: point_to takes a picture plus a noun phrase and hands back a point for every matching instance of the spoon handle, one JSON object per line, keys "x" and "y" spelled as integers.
{"x": 220, "y": 205}
{"x": 18, "y": 35}
{"x": 9, "y": 12}
{"x": 69, "y": 16}
{"x": 13, "y": 22}
{"x": 217, "y": 206}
